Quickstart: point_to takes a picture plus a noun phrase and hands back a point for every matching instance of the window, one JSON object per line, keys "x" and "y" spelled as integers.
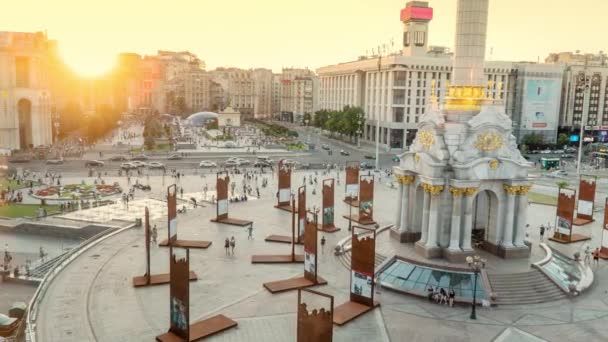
{"x": 406, "y": 38}
{"x": 419, "y": 38}
{"x": 22, "y": 69}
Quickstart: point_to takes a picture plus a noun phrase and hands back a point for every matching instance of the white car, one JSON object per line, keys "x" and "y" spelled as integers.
{"x": 557, "y": 174}
{"x": 207, "y": 163}
{"x": 127, "y": 166}
{"x": 243, "y": 161}
{"x": 231, "y": 163}
{"x": 156, "y": 165}
{"x": 138, "y": 163}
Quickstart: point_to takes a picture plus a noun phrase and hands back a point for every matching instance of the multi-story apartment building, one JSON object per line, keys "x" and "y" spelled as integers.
{"x": 198, "y": 91}
{"x": 298, "y": 89}
{"x": 395, "y": 90}
{"x": 584, "y": 72}
{"x": 276, "y": 95}
{"x": 248, "y": 91}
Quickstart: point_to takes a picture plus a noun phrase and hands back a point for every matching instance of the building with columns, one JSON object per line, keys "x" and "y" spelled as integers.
{"x": 394, "y": 89}
{"x": 25, "y": 100}
{"x": 463, "y": 183}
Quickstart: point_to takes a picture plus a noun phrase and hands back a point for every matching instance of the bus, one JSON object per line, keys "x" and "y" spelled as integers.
{"x": 549, "y": 163}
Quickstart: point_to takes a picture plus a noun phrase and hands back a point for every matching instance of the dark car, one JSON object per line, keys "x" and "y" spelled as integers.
{"x": 175, "y": 157}
{"x": 140, "y": 157}
{"x": 325, "y": 147}
{"x": 366, "y": 166}
{"x": 93, "y": 163}
{"x": 261, "y": 164}
{"x": 118, "y": 158}
{"x": 344, "y": 153}
{"x": 370, "y": 156}
{"x": 566, "y": 156}
{"x": 54, "y": 161}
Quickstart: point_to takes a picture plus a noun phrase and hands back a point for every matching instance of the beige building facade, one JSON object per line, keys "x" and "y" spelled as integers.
{"x": 25, "y": 100}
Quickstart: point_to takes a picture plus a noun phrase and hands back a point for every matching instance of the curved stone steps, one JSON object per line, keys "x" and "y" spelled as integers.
{"x": 524, "y": 288}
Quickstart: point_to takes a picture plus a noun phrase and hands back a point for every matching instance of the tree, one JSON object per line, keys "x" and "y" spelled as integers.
{"x": 562, "y": 184}
{"x": 320, "y": 118}
{"x": 562, "y": 139}
{"x": 533, "y": 140}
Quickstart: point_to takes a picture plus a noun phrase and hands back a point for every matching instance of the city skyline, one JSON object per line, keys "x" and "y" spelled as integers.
{"x": 275, "y": 34}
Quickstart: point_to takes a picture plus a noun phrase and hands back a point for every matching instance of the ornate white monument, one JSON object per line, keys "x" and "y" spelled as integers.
{"x": 463, "y": 183}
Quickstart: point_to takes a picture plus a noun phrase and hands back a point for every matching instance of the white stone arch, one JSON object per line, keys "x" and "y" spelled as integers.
{"x": 491, "y": 210}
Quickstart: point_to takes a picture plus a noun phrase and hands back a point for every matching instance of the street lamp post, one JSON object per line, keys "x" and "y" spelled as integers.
{"x": 350, "y": 213}
{"x": 476, "y": 264}
{"x": 582, "y": 84}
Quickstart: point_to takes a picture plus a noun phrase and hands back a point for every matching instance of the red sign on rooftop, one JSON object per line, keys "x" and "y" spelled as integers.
{"x": 416, "y": 13}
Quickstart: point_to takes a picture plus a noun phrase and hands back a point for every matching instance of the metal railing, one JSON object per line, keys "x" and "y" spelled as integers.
{"x": 28, "y": 331}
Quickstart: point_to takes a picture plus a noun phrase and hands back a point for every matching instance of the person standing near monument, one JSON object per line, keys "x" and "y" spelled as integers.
{"x": 250, "y": 229}
{"x": 232, "y": 244}
{"x": 227, "y": 246}
{"x": 596, "y": 257}
{"x": 587, "y": 255}
{"x": 542, "y": 233}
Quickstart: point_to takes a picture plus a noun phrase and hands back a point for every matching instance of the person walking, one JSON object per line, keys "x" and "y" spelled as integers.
{"x": 232, "y": 244}
{"x": 587, "y": 255}
{"x": 596, "y": 257}
{"x": 227, "y": 246}
{"x": 323, "y": 244}
{"x": 542, "y": 233}
{"x": 154, "y": 234}
{"x": 250, "y": 229}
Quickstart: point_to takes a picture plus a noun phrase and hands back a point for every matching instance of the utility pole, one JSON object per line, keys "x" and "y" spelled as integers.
{"x": 583, "y": 83}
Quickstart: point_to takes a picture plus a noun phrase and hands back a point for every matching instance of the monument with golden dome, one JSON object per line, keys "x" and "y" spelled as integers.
{"x": 463, "y": 184}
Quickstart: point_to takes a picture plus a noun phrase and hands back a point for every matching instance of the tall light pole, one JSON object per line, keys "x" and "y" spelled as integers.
{"x": 476, "y": 264}
{"x": 378, "y": 114}
{"x": 583, "y": 84}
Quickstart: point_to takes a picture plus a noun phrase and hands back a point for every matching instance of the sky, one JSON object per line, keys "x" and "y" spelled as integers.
{"x": 290, "y": 33}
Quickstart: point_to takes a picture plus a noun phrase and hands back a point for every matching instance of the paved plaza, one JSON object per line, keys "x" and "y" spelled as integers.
{"x": 92, "y": 299}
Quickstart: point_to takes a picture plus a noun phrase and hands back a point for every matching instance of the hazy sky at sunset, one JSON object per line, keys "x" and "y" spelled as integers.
{"x": 277, "y": 33}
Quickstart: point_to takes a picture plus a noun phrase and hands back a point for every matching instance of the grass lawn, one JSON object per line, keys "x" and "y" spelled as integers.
{"x": 14, "y": 210}
{"x": 542, "y": 199}
{"x": 12, "y": 184}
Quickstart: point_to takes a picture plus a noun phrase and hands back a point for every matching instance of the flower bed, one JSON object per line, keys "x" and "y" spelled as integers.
{"x": 77, "y": 191}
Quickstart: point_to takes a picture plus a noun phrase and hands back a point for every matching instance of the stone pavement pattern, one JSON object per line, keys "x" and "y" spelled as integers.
{"x": 93, "y": 298}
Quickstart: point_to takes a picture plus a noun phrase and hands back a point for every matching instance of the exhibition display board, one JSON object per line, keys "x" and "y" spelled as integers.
{"x": 300, "y": 218}
{"x": 586, "y": 200}
{"x": 284, "y": 191}
{"x": 363, "y": 256}
{"x": 352, "y": 184}
{"x": 604, "y": 248}
{"x": 285, "y": 258}
{"x": 366, "y": 202}
{"x": 565, "y": 217}
{"x": 221, "y": 186}
{"x": 172, "y": 240}
{"x": 328, "y": 224}
{"x": 152, "y": 279}
{"x": 311, "y": 277}
{"x": 180, "y": 328}
{"x": 314, "y": 325}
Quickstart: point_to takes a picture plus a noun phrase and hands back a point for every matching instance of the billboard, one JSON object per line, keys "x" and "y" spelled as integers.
{"x": 565, "y": 211}
{"x": 540, "y": 109}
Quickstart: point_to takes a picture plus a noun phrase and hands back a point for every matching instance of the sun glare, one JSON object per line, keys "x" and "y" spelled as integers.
{"x": 88, "y": 65}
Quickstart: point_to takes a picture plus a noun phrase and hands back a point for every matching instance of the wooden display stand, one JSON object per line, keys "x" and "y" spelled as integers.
{"x": 284, "y": 194}
{"x": 314, "y": 325}
{"x": 152, "y": 279}
{"x": 366, "y": 202}
{"x": 310, "y": 277}
{"x": 604, "y": 245}
{"x": 221, "y": 205}
{"x": 362, "y": 271}
{"x": 282, "y": 259}
{"x": 327, "y": 222}
{"x": 172, "y": 240}
{"x": 352, "y": 184}
{"x": 180, "y": 329}
{"x": 564, "y": 216}
{"x": 586, "y": 200}
{"x": 301, "y": 212}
